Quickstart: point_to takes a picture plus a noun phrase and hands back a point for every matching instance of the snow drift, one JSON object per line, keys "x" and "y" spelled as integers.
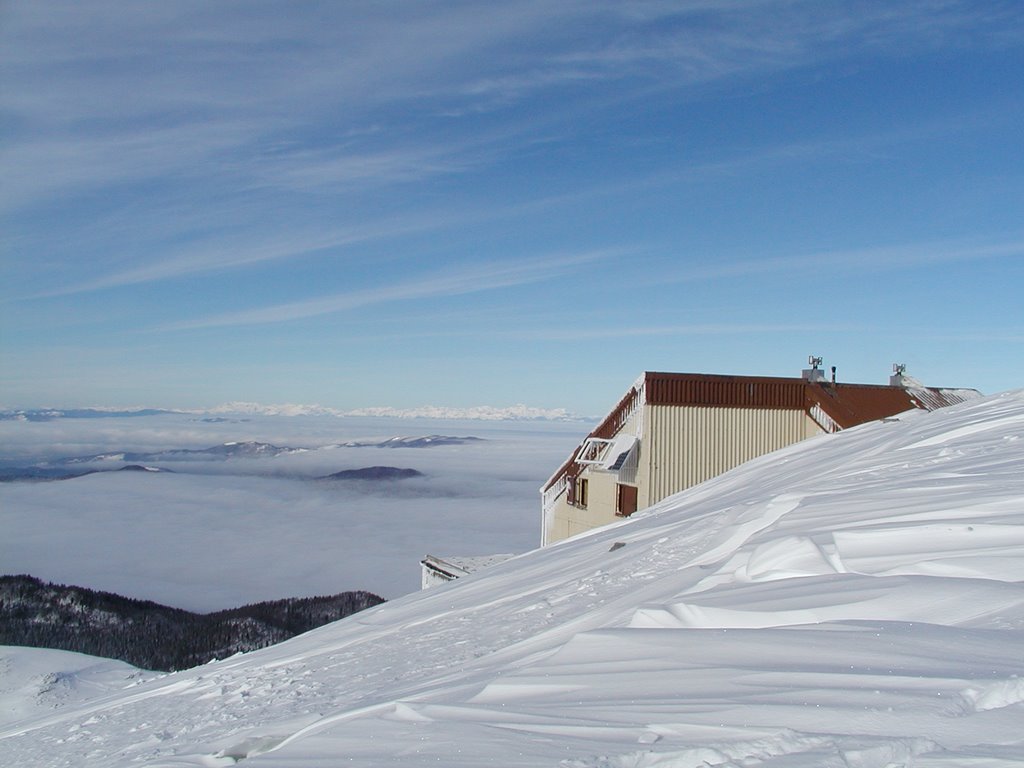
{"x": 854, "y": 601}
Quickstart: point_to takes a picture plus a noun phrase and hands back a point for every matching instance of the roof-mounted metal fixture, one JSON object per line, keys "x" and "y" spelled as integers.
{"x": 814, "y": 373}
{"x": 898, "y": 378}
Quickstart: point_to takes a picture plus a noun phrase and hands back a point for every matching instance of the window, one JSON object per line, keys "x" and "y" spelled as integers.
{"x": 582, "y": 491}
{"x": 592, "y": 450}
{"x": 625, "y": 503}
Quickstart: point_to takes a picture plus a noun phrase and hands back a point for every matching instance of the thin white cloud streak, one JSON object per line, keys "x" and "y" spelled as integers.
{"x": 671, "y": 44}
{"x": 472, "y": 280}
{"x": 246, "y": 250}
{"x": 985, "y": 337}
{"x": 37, "y": 168}
{"x": 245, "y": 64}
{"x": 353, "y": 165}
{"x": 877, "y": 259}
{"x": 249, "y": 248}
{"x": 233, "y": 253}
{"x": 200, "y": 92}
{"x": 698, "y": 329}
{"x": 630, "y": 332}
{"x": 308, "y": 169}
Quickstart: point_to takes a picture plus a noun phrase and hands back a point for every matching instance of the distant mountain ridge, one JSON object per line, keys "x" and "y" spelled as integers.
{"x": 475, "y": 413}
{"x": 424, "y": 441}
{"x": 153, "y": 636}
{"x": 517, "y": 412}
{"x": 49, "y": 414}
{"x": 9, "y": 474}
{"x": 229, "y": 450}
{"x": 69, "y": 467}
{"x": 374, "y": 473}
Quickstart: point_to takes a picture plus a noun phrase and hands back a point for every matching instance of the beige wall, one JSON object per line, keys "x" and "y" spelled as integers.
{"x": 566, "y": 520}
{"x": 686, "y": 446}
{"x": 679, "y": 448}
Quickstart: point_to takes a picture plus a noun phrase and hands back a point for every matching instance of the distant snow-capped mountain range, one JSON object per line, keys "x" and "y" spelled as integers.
{"x": 253, "y": 449}
{"x": 475, "y": 413}
{"x": 64, "y": 468}
{"x": 480, "y": 412}
{"x": 230, "y": 450}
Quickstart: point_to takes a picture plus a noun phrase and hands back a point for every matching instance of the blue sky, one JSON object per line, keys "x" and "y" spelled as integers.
{"x": 457, "y": 203}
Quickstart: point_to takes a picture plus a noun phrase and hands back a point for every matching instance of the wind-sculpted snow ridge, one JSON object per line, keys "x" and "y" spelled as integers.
{"x": 853, "y": 601}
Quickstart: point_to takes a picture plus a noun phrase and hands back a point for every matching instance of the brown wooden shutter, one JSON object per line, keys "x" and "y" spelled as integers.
{"x": 626, "y": 503}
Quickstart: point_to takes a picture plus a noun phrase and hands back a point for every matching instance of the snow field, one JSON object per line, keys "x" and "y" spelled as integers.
{"x": 850, "y": 602}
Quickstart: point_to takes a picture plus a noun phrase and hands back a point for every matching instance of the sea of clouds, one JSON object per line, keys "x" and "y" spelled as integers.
{"x": 215, "y": 534}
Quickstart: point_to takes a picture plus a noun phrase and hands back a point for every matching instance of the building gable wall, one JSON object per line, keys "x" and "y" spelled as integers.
{"x": 568, "y": 519}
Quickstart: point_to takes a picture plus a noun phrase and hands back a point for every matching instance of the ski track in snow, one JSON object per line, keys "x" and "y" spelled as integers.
{"x": 853, "y": 601}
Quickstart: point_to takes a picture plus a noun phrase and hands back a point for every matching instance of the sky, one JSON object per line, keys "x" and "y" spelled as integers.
{"x": 455, "y": 203}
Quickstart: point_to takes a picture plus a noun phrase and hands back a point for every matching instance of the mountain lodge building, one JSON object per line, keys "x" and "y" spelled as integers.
{"x": 671, "y": 431}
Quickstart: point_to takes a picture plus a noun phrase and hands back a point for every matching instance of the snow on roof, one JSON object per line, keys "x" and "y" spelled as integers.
{"x": 475, "y": 563}
{"x": 852, "y": 600}
{"x": 461, "y": 565}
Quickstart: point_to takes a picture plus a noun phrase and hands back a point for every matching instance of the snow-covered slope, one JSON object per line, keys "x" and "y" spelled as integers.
{"x": 854, "y": 601}
{"x": 35, "y": 681}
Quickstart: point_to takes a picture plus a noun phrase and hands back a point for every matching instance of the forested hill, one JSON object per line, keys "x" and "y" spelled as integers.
{"x": 154, "y": 636}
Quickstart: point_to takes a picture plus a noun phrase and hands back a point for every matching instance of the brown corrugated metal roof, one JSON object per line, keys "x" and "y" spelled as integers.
{"x": 853, "y": 404}
{"x": 938, "y": 397}
{"x": 723, "y": 391}
{"x": 846, "y": 404}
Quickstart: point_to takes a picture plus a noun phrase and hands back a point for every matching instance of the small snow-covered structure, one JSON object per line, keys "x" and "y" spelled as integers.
{"x": 672, "y": 431}
{"x": 441, "y": 570}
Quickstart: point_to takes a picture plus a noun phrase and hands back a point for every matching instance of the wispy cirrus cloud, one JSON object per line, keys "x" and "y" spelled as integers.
{"x": 295, "y": 150}
{"x": 63, "y": 164}
{"x": 247, "y": 249}
{"x": 687, "y": 330}
{"x": 873, "y": 259}
{"x": 473, "y": 279}
{"x": 231, "y": 78}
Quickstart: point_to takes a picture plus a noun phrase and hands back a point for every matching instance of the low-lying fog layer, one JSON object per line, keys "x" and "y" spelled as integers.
{"x": 217, "y": 533}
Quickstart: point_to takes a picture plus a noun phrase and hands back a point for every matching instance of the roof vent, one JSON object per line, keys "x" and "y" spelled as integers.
{"x": 899, "y": 377}
{"x": 814, "y": 373}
